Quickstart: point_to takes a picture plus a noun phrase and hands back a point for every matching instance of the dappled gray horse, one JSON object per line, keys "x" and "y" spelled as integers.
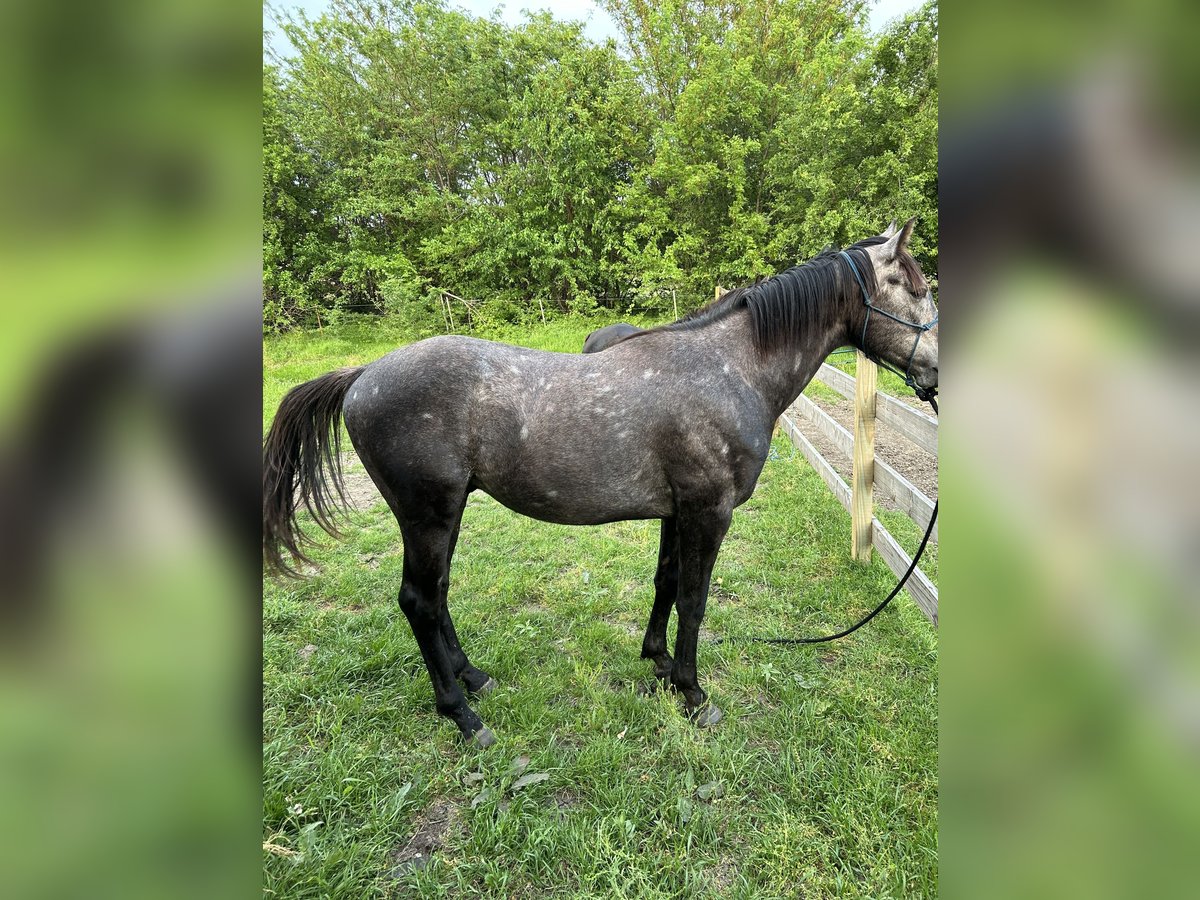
{"x": 670, "y": 423}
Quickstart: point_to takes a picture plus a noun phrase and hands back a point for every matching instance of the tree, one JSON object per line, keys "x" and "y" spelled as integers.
{"x": 293, "y": 208}
{"x": 412, "y": 150}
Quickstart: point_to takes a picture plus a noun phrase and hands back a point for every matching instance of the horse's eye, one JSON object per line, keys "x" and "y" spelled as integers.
{"x": 892, "y": 279}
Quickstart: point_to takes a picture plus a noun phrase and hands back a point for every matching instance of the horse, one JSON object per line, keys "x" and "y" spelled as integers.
{"x": 603, "y": 338}
{"x": 672, "y": 423}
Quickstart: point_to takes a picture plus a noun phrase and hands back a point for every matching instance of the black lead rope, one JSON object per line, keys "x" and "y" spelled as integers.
{"x": 877, "y": 610}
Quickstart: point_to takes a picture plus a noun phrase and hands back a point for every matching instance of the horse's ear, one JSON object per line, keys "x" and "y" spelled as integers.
{"x": 899, "y": 241}
{"x": 890, "y": 231}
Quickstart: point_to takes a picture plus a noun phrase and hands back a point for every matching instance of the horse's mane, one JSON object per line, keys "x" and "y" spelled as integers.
{"x": 786, "y": 307}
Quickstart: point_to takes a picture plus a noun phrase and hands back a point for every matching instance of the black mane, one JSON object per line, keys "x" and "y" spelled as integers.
{"x": 786, "y": 306}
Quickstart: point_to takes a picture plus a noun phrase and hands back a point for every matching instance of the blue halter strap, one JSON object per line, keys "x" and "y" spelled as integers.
{"x": 921, "y": 328}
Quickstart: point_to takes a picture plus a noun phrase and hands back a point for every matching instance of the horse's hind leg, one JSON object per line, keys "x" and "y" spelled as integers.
{"x": 477, "y": 681}
{"x": 666, "y": 590}
{"x": 422, "y": 598}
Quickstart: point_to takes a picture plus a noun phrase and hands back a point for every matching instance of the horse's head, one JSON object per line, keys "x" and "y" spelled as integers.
{"x": 898, "y": 323}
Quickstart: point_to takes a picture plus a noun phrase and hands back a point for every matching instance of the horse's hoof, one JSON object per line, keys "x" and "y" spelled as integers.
{"x": 706, "y": 716}
{"x": 482, "y": 739}
{"x": 486, "y": 688}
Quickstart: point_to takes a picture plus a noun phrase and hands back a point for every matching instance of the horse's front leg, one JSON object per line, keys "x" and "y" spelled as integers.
{"x": 666, "y": 591}
{"x": 701, "y": 531}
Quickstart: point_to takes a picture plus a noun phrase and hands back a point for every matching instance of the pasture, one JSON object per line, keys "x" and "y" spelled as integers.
{"x": 821, "y": 781}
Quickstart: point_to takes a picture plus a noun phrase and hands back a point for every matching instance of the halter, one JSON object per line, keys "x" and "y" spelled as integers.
{"x": 926, "y": 394}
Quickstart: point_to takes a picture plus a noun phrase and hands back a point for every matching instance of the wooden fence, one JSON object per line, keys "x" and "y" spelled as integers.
{"x": 867, "y": 471}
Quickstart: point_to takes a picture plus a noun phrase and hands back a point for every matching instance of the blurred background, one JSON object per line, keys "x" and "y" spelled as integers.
{"x": 129, "y": 570}
{"x": 1070, "y": 672}
{"x": 130, "y": 277}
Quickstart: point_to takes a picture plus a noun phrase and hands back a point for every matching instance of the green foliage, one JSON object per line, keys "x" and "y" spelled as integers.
{"x": 411, "y": 149}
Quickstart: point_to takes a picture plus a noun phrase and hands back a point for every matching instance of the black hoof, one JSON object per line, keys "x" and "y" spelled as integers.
{"x": 486, "y": 688}
{"x": 476, "y": 681}
{"x": 706, "y": 716}
{"x": 482, "y": 739}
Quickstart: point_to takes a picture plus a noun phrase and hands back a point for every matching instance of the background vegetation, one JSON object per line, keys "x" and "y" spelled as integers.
{"x": 414, "y": 154}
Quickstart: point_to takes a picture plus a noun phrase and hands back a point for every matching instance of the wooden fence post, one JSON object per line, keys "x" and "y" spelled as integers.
{"x": 862, "y": 508}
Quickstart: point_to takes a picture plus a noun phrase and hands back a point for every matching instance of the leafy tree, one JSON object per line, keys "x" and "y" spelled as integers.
{"x": 862, "y": 147}
{"x": 293, "y": 213}
{"x": 415, "y": 155}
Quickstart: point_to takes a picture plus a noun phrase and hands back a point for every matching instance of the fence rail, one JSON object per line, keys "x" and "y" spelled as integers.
{"x": 868, "y": 471}
{"x": 908, "y": 497}
{"x": 915, "y": 425}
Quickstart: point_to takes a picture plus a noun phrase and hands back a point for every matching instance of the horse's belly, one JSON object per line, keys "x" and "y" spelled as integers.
{"x": 589, "y": 500}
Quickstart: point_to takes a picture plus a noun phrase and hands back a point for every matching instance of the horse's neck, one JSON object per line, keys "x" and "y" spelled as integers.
{"x": 781, "y": 375}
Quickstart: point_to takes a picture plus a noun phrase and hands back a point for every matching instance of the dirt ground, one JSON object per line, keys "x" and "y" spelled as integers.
{"x": 899, "y": 452}
{"x": 360, "y": 489}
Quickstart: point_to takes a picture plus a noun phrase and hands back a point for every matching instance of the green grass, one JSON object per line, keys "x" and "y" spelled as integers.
{"x": 826, "y": 761}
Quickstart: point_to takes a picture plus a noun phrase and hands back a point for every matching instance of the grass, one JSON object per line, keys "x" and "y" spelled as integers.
{"x": 821, "y": 781}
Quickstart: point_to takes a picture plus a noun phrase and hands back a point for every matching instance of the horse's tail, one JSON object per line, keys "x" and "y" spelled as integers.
{"x": 302, "y": 464}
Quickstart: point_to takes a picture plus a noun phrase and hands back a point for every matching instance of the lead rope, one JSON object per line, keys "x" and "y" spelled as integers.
{"x": 873, "y": 613}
